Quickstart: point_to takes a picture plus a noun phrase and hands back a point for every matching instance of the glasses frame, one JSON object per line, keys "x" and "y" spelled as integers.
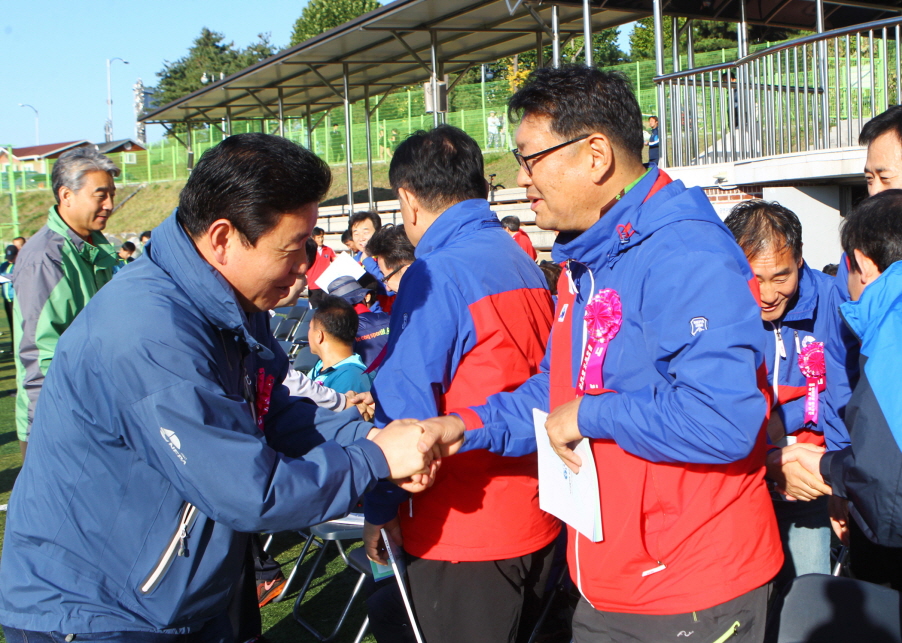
{"x": 385, "y": 279}
{"x": 523, "y": 161}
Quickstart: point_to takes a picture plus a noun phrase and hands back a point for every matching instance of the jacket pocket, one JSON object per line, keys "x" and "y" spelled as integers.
{"x": 176, "y": 546}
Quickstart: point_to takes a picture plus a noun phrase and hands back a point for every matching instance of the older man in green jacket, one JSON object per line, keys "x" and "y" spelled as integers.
{"x": 60, "y": 269}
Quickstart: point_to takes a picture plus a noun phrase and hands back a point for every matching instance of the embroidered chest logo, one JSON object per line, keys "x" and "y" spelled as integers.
{"x": 174, "y": 443}
{"x": 625, "y": 231}
{"x": 697, "y": 325}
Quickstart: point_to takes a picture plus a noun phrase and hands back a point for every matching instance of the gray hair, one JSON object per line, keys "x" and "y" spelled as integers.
{"x": 70, "y": 169}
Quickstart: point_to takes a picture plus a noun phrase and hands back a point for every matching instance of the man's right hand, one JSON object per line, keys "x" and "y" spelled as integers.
{"x": 444, "y": 435}
{"x": 794, "y": 468}
{"x": 399, "y": 442}
{"x": 372, "y": 540}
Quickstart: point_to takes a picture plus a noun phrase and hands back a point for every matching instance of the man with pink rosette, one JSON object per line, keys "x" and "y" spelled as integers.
{"x": 798, "y": 321}
{"x": 656, "y": 356}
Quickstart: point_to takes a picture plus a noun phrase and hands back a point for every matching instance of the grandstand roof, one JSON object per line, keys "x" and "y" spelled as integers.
{"x": 390, "y": 47}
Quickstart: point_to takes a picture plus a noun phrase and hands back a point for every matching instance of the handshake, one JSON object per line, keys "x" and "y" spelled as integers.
{"x": 414, "y": 448}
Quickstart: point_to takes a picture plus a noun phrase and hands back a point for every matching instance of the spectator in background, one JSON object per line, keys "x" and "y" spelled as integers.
{"x": 552, "y": 272}
{"x": 883, "y": 136}
{"x": 6, "y": 270}
{"x": 797, "y": 321}
{"x": 393, "y": 253}
{"x": 512, "y": 225}
{"x": 654, "y": 141}
{"x": 372, "y": 325}
{"x": 830, "y": 269}
{"x": 127, "y": 251}
{"x": 331, "y": 336}
{"x": 143, "y": 240}
{"x": 493, "y": 127}
{"x": 19, "y": 242}
{"x": 347, "y": 238}
{"x": 322, "y": 260}
{"x": 337, "y": 144}
{"x": 470, "y": 321}
{"x": 66, "y": 263}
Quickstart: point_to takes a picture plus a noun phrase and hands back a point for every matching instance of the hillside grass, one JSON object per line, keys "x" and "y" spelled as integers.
{"x": 155, "y": 201}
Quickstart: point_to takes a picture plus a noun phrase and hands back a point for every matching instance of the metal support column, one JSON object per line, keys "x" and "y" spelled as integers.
{"x": 11, "y": 178}
{"x": 663, "y": 116}
{"x": 675, "y": 43}
{"x": 587, "y": 32}
{"x": 433, "y": 53}
{"x": 309, "y": 130}
{"x": 824, "y": 98}
{"x": 555, "y": 37}
{"x": 369, "y": 147}
{"x": 540, "y": 54}
{"x": 228, "y": 120}
{"x": 744, "y": 124}
{"x": 281, "y": 115}
{"x": 690, "y": 44}
{"x": 348, "y": 168}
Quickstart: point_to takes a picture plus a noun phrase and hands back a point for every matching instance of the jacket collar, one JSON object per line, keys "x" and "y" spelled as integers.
{"x": 879, "y": 298}
{"x": 634, "y": 218}
{"x": 100, "y": 254}
{"x": 461, "y": 218}
{"x": 806, "y": 302}
{"x": 173, "y": 251}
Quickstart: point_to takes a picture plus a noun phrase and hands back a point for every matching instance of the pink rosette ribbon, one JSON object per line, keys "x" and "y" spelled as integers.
{"x": 814, "y": 368}
{"x": 265, "y": 385}
{"x": 604, "y": 315}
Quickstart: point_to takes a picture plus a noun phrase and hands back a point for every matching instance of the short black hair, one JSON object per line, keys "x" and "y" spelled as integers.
{"x": 759, "y": 225}
{"x": 337, "y": 318}
{"x": 830, "y": 269}
{"x": 144, "y": 235}
{"x": 511, "y": 222}
{"x": 580, "y": 100}
{"x": 367, "y": 215}
{"x": 346, "y": 236}
{"x": 441, "y": 167}
{"x": 890, "y": 120}
{"x": 251, "y": 180}
{"x": 552, "y": 272}
{"x": 317, "y": 231}
{"x": 128, "y": 245}
{"x": 392, "y": 246}
{"x": 874, "y": 227}
{"x": 311, "y": 249}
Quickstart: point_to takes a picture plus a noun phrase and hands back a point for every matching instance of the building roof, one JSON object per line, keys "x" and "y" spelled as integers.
{"x": 127, "y": 145}
{"x": 41, "y": 151}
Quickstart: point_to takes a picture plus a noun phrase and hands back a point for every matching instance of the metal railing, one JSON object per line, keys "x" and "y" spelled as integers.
{"x": 812, "y": 93}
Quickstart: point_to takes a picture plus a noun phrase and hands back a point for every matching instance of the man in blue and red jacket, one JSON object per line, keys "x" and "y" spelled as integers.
{"x": 800, "y": 323}
{"x": 677, "y": 421}
{"x": 471, "y": 319}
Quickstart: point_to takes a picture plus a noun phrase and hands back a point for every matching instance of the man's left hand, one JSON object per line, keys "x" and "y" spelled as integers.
{"x": 563, "y": 433}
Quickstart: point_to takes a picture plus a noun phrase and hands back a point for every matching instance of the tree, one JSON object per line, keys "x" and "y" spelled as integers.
{"x": 208, "y": 58}
{"x": 320, "y": 16}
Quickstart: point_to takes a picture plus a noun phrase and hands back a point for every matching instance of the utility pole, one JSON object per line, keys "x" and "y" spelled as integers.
{"x": 37, "y": 134}
{"x": 108, "y": 130}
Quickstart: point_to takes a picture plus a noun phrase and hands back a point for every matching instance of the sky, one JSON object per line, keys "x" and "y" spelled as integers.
{"x": 54, "y": 55}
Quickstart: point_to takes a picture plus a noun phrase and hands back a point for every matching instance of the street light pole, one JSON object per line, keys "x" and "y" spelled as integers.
{"x": 37, "y": 132}
{"x": 109, "y": 99}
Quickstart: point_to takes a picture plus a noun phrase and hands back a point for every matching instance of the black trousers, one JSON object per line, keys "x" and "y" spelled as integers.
{"x": 474, "y": 602}
{"x": 872, "y": 562}
{"x": 746, "y": 615}
{"x": 8, "y": 306}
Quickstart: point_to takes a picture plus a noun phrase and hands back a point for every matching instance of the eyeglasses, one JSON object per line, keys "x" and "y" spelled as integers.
{"x": 385, "y": 279}
{"x": 524, "y": 160}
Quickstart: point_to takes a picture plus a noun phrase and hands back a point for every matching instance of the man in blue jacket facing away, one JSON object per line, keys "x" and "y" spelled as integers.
{"x": 867, "y": 474}
{"x": 128, "y": 521}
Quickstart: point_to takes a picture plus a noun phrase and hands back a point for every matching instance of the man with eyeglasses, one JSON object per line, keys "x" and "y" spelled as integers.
{"x": 656, "y": 356}
{"x": 471, "y": 318}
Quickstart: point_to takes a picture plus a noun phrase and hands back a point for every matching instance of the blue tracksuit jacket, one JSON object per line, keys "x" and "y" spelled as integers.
{"x": 146, "y": 463}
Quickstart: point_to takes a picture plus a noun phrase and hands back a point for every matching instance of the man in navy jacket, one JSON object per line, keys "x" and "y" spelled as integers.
{"x": 130, "y": 516}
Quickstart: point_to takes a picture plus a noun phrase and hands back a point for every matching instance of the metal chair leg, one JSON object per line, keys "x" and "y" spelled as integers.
{"x": 311, "y": 542}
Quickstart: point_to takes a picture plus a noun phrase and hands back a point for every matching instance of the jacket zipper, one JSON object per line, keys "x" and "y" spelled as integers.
{"x": 177, "y": 546}
{"x": 779, "y": 353}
